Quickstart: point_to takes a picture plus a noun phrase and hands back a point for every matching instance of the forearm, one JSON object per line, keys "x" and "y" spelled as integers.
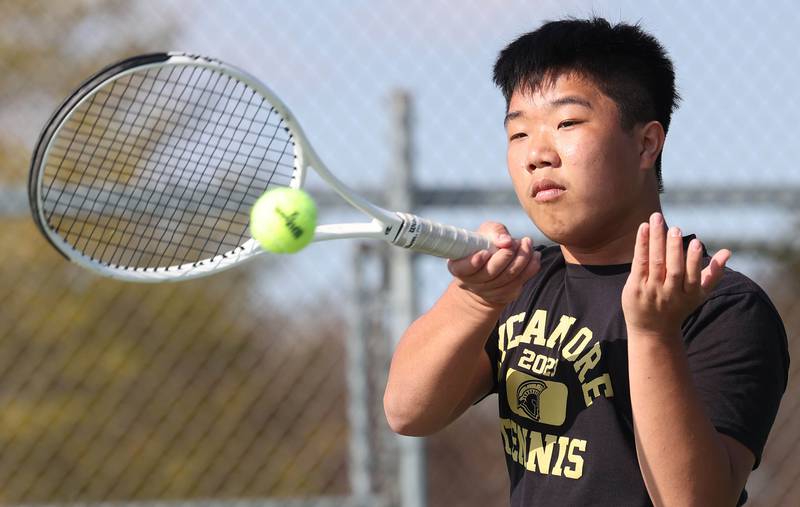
{"x": 681, "y": 455}
{"x": 437, "y": 364}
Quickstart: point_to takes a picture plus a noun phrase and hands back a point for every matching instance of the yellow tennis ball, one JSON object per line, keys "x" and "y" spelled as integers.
{"x": 283, "y": 220}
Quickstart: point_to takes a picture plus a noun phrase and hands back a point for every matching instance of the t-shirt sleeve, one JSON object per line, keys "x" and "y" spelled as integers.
{"x": 738, "y": 357}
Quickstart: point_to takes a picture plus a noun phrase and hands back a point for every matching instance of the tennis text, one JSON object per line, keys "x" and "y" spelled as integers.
{"x": 542, "y": 453}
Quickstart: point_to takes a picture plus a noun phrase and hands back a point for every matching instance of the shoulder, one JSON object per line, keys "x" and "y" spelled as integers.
{"x": 551, "y": 255}
{"x": 735, "y": 288}
{"x": 738, "y": 318}
{"x": 736, "y": 298}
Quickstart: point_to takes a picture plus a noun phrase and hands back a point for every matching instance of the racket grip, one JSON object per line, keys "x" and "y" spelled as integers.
{"x": 425, "y": 236}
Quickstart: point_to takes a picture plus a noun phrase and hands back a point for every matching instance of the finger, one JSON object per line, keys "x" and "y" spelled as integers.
{"x": 674, "y": 261}
{"x": 483, "y": 266}
{"x": 497, "y": 233}
{"x": 517, "y": 267}
{"x": 533, "y": 267}
{"x": 503, "y": 241}
{"x": 524, "y": 253}
{"x": 534, "y": 264}
{"x": 498, "y": 262}
{"x": 713, "y": 273}
{"x": 657, "y": 249}
{"x": 468, "y": 266}
{"x": 510, "y": 289}
{"x": 639, "y": 266}
{"x": 694, "y": 264}
{"x": 512, "y": 283}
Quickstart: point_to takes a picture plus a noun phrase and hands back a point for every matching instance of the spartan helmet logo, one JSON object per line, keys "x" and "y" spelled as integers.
{"x": 528, "y": 394}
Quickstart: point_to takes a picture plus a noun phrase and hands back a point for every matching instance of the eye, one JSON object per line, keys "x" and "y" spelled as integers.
{"x": 568, "y": 123}
{"x": 518, "y": 135}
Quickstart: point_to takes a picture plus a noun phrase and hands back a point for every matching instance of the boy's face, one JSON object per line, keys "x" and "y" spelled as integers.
{"x": 575, "y": 170}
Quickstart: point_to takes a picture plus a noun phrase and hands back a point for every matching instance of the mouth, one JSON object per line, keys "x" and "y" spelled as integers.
{"x": 545, "y": 190}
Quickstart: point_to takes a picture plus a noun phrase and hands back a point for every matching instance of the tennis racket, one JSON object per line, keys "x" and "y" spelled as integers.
{"x": 149, "y": 170}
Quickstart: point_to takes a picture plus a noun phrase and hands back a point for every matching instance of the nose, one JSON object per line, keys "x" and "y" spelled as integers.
{"x": 541, "y": 153}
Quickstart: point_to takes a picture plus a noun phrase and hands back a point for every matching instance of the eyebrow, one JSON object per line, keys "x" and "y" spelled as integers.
{"x": 566, "y": 100}
{"x": 570, "y": 100}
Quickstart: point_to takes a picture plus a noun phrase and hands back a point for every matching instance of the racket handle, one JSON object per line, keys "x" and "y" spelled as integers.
{"x": 424, "y": 236}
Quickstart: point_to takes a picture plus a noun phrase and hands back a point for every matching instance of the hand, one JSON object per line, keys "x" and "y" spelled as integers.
{"x": 663, "y": 289}
{"x": 495, "y": 278}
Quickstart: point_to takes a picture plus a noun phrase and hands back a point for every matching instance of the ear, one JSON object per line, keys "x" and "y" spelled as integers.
{"x": 651, "y": 137}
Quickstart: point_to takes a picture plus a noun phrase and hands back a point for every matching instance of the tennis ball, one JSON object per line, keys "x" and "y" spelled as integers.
{"x": 283, "y": 220}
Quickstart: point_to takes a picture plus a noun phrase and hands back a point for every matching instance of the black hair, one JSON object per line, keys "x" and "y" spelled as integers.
{"x": 626, "y": 63}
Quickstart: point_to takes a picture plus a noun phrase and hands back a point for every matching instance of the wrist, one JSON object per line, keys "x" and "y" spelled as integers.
{"x": 471, "y": 305}
{"x": 669, "y": 336}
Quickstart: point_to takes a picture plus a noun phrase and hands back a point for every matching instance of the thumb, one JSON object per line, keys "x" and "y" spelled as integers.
{"x": 713, "y": 272}
{"x": 497, "y": 234}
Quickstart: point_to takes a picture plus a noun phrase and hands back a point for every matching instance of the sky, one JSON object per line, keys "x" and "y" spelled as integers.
{"x": 337, "y": 61}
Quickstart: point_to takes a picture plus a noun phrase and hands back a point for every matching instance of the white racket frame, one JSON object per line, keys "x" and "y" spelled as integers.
{"x": 400, "y": 229}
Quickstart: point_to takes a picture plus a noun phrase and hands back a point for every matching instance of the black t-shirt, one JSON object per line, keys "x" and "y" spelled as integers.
{"x": 559, "y": 359}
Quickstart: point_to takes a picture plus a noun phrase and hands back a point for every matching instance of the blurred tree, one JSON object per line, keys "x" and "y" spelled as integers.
{"x": 48, "y": 48}
{"x": 112, "y": 391}
{"x": 116, "y": 391}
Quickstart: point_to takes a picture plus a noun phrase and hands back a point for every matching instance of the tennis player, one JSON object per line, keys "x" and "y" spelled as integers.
{"x": 631, "y": 368}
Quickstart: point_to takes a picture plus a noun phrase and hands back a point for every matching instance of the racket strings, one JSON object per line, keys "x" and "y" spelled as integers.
{"x": 90, "y": 234}
{"x": 104, "y": 160}
{"x": 204, "y": 168}
{"x": 246, "y": 191}
{"x": 161, "y": 167}
{"x": 124, "y": 144}
{"x": 237, "y": 176}
{"x": 170, "y": 100}
{"x": 199, "y": 235}
{"x": 122, "y": 127}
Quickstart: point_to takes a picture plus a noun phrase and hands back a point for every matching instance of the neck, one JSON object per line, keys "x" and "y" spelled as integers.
{"x": 611, "y": 248}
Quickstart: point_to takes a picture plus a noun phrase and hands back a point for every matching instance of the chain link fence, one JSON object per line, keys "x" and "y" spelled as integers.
{"x": 262, "y": 385}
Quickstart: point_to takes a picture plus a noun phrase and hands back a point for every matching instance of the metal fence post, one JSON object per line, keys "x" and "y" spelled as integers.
{"x": 358, "y": 383}
{"x": 412, "y": 462}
